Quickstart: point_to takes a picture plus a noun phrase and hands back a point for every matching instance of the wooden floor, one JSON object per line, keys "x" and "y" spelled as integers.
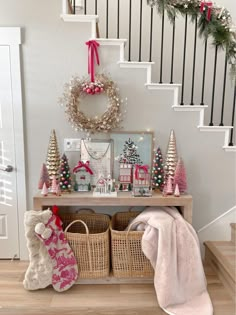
{"x": 113, "y": 299}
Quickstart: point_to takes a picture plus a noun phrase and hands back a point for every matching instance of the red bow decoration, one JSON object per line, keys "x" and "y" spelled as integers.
{"x": 138, "y": 168}
{"x": 55, "y": 210}
{"x": 209, "y": 8}
{"x": 92, "y": 50}
{"x": 81, "y": 165}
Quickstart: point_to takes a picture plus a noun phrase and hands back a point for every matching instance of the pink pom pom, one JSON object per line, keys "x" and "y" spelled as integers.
{"x": 88, "y": 91}
{"x": 97, "y": 89}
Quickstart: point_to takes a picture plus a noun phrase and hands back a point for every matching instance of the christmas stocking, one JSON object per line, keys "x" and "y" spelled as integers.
{"x": 65, "y": 270}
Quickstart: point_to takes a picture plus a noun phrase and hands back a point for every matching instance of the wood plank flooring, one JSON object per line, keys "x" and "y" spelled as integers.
{"x": 122, "y": 299}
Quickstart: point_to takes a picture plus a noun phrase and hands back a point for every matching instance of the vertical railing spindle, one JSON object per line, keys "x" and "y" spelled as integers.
{"x": 96, "y": 7}
{"x": 73, "y": 6}
{"x": 194, "y": 61}
{"x": 173, "y": 53}
{"x": 151, "y": 26}
{"x": 184, "y": 56}
{"x": 107, "y": 19}
{"x": 130, "y": 16}
{"x": 140, "y": 30}
{"x": 162, "y": 44}
{"x": 232, "y": 123}
{"x": 85, "y": 7}
{"x": 118, "y": 19}
{"x": 213, "y": 88}
{"x": 223, "y": 94}
{"x": 204, "y": 73}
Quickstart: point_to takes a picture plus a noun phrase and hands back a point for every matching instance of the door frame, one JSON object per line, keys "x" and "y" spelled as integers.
{"x": 11, "y": 36}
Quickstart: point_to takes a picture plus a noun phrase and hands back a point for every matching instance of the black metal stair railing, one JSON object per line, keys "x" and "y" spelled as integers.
{"x": 202, "y": 70}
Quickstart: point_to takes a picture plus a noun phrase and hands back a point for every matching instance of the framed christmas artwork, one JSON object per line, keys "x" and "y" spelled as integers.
{"x": 100, "y": 155}
{"x": 130, "y": 148}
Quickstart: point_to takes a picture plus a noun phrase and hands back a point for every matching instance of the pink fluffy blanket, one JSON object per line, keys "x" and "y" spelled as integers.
{"x": 172, "y": 246}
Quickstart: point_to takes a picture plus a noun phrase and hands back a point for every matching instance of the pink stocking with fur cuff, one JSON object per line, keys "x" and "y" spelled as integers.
{"x": 65, "y": 269}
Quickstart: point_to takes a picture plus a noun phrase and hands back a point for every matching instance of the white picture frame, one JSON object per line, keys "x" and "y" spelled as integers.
{"x": 100, "y": 154}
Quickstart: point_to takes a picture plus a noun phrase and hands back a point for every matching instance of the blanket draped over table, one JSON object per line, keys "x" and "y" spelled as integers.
{"x": 172, "y": 246}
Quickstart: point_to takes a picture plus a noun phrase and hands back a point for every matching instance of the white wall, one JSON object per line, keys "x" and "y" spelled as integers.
{"x": 53, "y": 51}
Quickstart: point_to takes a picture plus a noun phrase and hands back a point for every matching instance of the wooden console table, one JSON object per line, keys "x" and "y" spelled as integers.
{"x": 184, "y": 203}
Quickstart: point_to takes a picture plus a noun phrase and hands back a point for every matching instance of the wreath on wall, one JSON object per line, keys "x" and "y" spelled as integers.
{"x": 214, "y": 20}
{"x": 77, "y": 89}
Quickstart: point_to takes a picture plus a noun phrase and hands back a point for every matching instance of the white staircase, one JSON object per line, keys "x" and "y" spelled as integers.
{"x": 93, "y": 19}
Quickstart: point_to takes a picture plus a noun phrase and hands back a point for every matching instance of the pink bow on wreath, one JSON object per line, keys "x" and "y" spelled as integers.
{"x": 92, "y": 52}
{"x": 81, "y": 165}
{"x": 138, "y": 168}
{"x": 209, "y": 8}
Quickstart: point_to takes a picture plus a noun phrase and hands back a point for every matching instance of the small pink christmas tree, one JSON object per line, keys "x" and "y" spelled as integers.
{"x": 176, "y": 193}
{"x": 54, "y": 184}
{"x": 44, "y": 177}
{"x": 44, "y": 191}
{"x": 169, "y": 186}
{"x": 180, "y": 176}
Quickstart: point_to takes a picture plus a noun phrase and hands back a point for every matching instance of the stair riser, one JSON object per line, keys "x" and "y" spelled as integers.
{"x": 221, "y": 272}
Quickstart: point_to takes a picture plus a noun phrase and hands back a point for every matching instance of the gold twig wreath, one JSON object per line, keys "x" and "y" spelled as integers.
{"x": 77, "y": 89}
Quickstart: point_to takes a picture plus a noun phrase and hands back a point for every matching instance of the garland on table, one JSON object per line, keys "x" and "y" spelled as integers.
{"x": 79, "y": 88}
{"x": 214, "y": 20}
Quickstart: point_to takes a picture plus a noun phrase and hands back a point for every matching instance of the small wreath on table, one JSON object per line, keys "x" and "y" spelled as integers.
{"x": 77, "y": 89}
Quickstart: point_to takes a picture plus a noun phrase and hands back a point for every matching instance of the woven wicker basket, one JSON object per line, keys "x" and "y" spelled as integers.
{"x": 88, "y": 236}
{"x": 128, "y": 260}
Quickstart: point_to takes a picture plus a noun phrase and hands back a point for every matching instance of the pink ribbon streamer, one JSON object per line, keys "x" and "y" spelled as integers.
{"x": 81, "y": 165}
{"x": 55, "y": 210}
{"x": 138, "y": 168}
{"x": 92, "y": 53}
{"x": 209, "y": 8}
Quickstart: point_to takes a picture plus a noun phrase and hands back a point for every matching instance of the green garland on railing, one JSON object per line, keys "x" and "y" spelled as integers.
{"x": 218, "y": 23}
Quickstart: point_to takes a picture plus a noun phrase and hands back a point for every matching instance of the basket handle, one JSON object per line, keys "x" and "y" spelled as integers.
{"x": 85, "y": 210}
{"x": 84, "y": 224}
{"x": 128, "y": 247}
{"x": 133, "y": 224}
{"x": 87, "y": 236}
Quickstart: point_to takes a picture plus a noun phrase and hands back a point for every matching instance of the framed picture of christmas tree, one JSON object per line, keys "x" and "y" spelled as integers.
{"x": 131, "y": 148}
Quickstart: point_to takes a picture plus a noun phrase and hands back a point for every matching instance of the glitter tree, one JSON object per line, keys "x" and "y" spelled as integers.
{"x": 158, "y": 171}
{"x": 65, "y": 176}
{"x": 53, "y": 156}
{"x": 171, "y": 156}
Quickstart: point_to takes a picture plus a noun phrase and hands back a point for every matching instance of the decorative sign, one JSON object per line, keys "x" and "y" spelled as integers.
{"x": 99, "y": 153}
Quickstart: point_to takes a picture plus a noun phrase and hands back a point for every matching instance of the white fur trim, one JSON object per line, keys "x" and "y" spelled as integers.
{"x": 46, "y": 234}
{"x": 39, "y": 228}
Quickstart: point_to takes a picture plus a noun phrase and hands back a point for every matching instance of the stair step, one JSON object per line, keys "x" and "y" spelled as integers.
{"x": 162, "y": 86}
{"x": 233, "y": 232}
{"x": 215, "y": 128}
{"x": 189, "y": 108}
{"x": 229, "y": 148}
{"x": 221, "y": 256}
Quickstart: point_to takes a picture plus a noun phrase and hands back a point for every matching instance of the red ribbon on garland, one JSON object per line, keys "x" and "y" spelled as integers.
{"x": 81, "y": 165}
{"x": 138, "y": 168}
{"x": 92, "y": 53}
{"x": 55, "y": 210}
{"x": 209, "y": 8}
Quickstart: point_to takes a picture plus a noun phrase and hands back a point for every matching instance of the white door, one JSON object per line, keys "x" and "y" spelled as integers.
{"x": 9, "y": 225}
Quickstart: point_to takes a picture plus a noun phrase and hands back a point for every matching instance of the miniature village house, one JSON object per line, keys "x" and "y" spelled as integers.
{"x": 125, "y": 177}
{"x": 141, "y": 181}
{"x": 83, "y": 175}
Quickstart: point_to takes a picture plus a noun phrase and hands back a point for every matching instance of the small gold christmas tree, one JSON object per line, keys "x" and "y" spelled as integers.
{"x": 53, "y": 157}
{"x": 171, "y": 156}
